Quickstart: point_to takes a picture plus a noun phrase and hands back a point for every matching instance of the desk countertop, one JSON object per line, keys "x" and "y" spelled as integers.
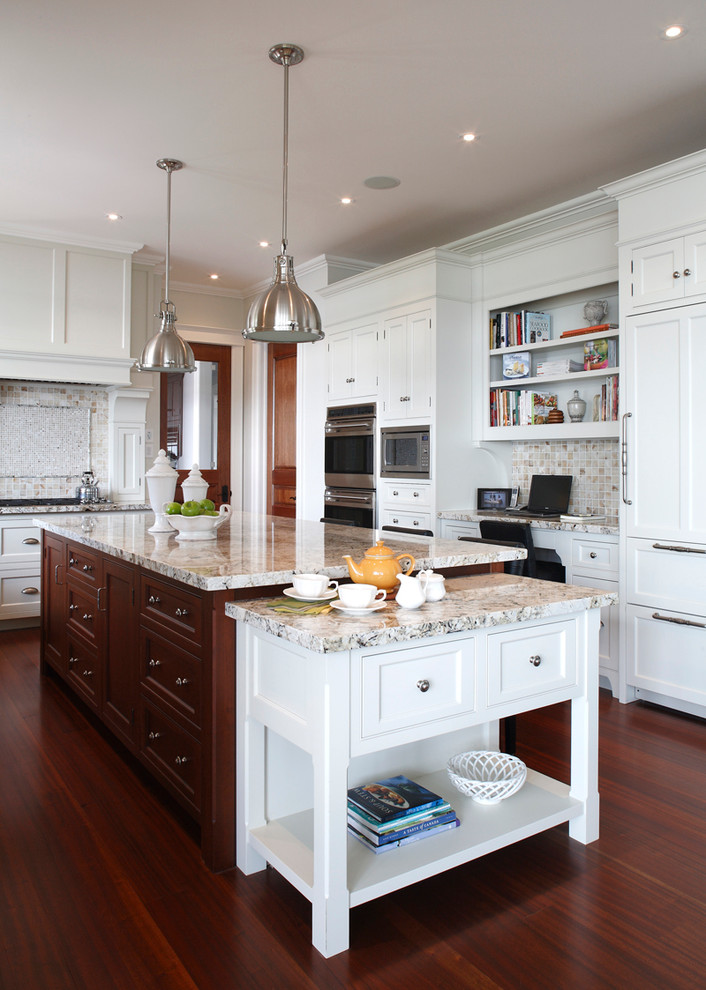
{"x": 606, "y": 526}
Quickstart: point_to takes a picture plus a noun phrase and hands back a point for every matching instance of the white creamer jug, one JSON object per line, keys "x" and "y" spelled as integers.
{"x": 410, "y": 593}
{"x": 432, "y": 585}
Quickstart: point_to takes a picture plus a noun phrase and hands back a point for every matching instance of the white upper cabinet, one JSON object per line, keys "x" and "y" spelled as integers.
{"x": 353, "y": 362}
{"x": 64, "y": 312}
{"x": 670, "y": 271}
{"x": 408, "y": 349}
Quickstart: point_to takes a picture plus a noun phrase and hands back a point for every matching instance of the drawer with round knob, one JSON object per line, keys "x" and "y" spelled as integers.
{"x": 171, "y": 675}
{"x": 404, "y": 693}
{"x": 82, "y": 564}
{"x": 83, "y": 670}
{"x": 82, "y": 611}
{"x": 533, "y": 662}
{"x": 172, "y": 754}
{"x": 173, "y": 607}
{"x": 589, "y": 555}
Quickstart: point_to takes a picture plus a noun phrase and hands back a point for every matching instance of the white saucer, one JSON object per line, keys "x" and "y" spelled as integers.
{"x": 326, "y": 597}
{"x": 358, "y": 611}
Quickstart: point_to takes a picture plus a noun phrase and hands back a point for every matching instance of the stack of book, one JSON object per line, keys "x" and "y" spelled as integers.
{"x": 394, "y": 812}
{"x": 513, "y": 329}
{"x": 520, "y": 408}
{"x": 559, "y": 366}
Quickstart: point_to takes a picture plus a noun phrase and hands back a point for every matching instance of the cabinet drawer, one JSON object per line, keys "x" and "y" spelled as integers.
{"x": 414, "y": 689}
{"x": 590, "y": 556}
{"x": 407, "y": 494}
{"x": 82, "y": 564}
{"x": 82, "y": 610}
{"x": 20, "y": 592}
{"x": 173, "y": 607}
{"x": 531, "y": 662}
{"x": 83, "y": 671}
{"x": 667, "y": 654}
{"x": 408, "y": 520}
{"x": 667, "y": 575}
{"x": 173, "y": 754}
{"x": 172, "y": 674}
{"x": 454, "y": 530}
{"x": 19, "y": 542}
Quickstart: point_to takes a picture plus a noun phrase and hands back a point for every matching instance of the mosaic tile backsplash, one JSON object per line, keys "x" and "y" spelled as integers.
{"x": 594, "y": 465}
{"x": 46, "y": 446}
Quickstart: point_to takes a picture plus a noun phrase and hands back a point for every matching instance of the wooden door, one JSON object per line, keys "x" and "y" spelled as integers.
{"x": 282, "y": 429}
{"x": 195, "y": 420}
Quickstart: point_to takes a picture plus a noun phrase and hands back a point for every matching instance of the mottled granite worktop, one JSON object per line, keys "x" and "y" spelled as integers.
{"x": 606, "y": 526}
{"x": 33, "y": 509}
{"x": 253, "y": 550}
{"x": 472, "y": 602}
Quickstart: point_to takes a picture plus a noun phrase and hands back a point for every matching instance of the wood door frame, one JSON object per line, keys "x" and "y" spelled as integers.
{"x": 276, "y": 352}
{"x": 221, "y": 354}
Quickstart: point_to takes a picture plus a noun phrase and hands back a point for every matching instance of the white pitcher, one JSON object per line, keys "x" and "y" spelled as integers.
{"x": 432, "y": 585}
{"x": 410, "y": 593}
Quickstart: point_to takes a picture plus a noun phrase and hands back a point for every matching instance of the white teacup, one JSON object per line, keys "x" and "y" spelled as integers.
{"x": 360, "y": 595}
{"x": 313, "y": 585}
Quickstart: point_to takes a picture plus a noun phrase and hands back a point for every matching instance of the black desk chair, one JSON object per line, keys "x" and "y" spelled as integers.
{"x": 515, "y": 533}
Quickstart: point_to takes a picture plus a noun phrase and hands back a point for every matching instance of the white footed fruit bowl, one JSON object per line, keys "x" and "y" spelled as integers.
{"x": 487, "y": 777}
{"x": 199, "y": 527}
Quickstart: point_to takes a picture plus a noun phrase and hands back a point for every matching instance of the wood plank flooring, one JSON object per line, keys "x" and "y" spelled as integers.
{"x": 102, "y": 887}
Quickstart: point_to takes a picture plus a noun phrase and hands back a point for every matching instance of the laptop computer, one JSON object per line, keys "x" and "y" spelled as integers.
{"x": 548, "y": 496}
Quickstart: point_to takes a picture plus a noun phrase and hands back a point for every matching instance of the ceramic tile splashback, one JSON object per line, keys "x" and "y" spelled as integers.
{"x": 594, "y": 465}
{"x": 73, "y": 420}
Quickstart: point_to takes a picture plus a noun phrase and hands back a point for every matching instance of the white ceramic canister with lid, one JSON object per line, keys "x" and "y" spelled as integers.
{"x": 161, "y": 485}
{"x": 194, "y": 486}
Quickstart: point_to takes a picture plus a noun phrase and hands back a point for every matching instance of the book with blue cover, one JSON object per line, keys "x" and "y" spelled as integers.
{"x": 395, "y": 797}
{"x": 403, "y": 830}
{"x": 357, "y": 814}
{"x": 406, "y": 840}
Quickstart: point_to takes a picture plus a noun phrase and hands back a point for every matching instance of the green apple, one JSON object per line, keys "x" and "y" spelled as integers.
{"x": 172, "y": 509}
{"x": 191, "y": 508}
{"x": 211, "y": 512}
{"x": 207, "y": 505}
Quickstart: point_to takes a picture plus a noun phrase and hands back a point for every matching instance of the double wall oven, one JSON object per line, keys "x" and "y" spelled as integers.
{"x": 349, "y": 465}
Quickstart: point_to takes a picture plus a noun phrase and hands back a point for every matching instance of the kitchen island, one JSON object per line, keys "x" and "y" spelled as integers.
{"x": 328, "y": 702}
{"x": 135, "y": 624}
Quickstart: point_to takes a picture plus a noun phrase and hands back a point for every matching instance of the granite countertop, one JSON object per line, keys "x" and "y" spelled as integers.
{"x": 607, "y": 526}
{"x": 472, "y": 602}
{"x": 253, "y": 550}
{"x": 33, "y": 508}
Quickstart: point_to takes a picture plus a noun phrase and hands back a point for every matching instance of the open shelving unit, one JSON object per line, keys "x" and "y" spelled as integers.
{"x": 566, "y": 313}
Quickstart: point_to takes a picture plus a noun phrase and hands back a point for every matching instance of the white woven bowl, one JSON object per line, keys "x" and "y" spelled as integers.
{"x": 487, "y": 777}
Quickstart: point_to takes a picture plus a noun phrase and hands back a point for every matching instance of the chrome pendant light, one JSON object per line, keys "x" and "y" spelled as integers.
{"x": 166, "y": 351}
{"x": 284, "y": 312}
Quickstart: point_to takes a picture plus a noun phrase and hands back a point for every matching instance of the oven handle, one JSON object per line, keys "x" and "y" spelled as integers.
{"x": 342, "y": 499}
{"x": 367, "y": 425}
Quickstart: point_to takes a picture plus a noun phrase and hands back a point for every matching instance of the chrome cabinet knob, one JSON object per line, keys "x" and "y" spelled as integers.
{"x": 87, "y": 568}
{"x": 153, "y": 600}
{"x": 676, "y": 274}
{"x": 72, "y": 661}
{"x": 154, "y": 663}
{"x": 416, "y": 494}
{"x": 87, "y": 617}
{"x": 423, "y": 685}
{"x": 593, "y": 555}
{"x": 182, "y": 612}
{"x": 395, "y": 520}
{"x": 72, "y": 608}
{"x": 154, "y": 735}
{"x": 687, "y": 272}
{"x": 88, "y": 673}
{"x": 182, "y": 681}
{"x": 535, "y": 660}
{"x": 181, "y": 760}
{"x": 395, "y": 492}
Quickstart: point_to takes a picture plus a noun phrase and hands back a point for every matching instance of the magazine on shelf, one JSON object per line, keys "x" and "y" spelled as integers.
{"x": 415, "y": 837}
{"x": 394, "y": 797}
{"x": 403, "y": 830}
{"x": 382, "y": 828}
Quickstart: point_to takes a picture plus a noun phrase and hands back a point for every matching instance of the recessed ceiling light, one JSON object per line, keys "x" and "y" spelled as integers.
{"x": 674, "y": 31}
{"x": 264, "y": 243}
{"x": 214, "y": 276}
{"x": 113, "y": 216}
{"x": 381, "y": 182}
{"x": 469, "y": 136}
{"x": 346, "y": 200}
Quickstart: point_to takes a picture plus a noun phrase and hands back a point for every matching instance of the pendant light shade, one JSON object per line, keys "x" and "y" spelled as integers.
{"x": 166, "y": 351}
{"x": 284, "y": 312}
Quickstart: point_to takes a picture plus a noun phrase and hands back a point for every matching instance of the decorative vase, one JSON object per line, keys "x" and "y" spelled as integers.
{"x": 161, "y": 485}
{"x": 194, "y": 486}
{"x": 576, "y": 407}
{"x": 595, "y": 311}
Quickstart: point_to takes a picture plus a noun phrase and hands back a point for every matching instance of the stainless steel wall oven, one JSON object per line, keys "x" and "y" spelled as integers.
{"x": 349, "y": 464}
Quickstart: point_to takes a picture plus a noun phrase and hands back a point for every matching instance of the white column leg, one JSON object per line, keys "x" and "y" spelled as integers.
{"x": 584, "y": 739}
{"x": 250, "y": 768}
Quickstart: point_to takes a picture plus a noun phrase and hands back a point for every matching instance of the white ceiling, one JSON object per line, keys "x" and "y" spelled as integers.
{"x": 563, "y": 95}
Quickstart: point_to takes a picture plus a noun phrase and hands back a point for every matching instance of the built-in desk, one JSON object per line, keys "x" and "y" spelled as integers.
{"x": 589, "y": 553}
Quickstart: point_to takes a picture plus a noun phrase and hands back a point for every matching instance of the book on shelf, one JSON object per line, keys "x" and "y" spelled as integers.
{"x": 403, "y": 829}
{"x": 606, "y": 402}
{"x": 382, "y": 828}
{"x": 599, "y": 354}
{"x": 559, "y": 366}
{"x": 415, "y": 837}
{"x": 516, "y": 365}
{"x": 392, "y": 798}
{"x": 580, "y": 331}
{"x": 517, "y": 329}
{"x": 510, "y": 407}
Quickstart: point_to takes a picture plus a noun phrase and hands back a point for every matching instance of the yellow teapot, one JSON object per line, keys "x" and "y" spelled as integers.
{"x": 379, "y": 566}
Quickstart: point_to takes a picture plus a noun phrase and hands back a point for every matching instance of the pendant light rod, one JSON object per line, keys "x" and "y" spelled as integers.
{"x": 169, "y": 165}
{"x": 285, "y": 55}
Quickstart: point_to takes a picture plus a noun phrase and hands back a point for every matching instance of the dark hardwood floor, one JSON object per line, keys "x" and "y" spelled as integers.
{"x": 101, "y": 883}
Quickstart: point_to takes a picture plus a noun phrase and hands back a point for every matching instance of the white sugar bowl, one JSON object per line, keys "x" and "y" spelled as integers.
{"x": 432, "y": 585}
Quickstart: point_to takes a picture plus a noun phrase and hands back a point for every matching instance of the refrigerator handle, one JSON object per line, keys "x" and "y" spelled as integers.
{"x": 624, "y": 458}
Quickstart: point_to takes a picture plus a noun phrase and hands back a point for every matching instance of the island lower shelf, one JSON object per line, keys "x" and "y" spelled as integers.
{"x": 288, "y": 843}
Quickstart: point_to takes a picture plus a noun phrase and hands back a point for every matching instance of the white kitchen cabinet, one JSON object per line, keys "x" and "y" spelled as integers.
{"x": 353, "y": 362}
{"x": 667, "y": 657}
{"x": 407, "y": 505}
{"x": 669, "y": 271}
{"x": 64, "y": 312}
{"x": 20, "y": 568}
{"x": 453, "y": 529}
{"x": 408, "y": 367}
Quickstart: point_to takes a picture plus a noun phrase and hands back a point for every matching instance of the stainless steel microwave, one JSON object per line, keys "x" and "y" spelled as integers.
{"x": 405, "y": 452}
